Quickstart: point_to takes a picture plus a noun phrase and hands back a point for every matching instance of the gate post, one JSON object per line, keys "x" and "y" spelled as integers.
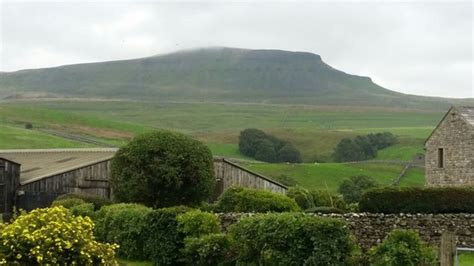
{"x": 447, "y": 249}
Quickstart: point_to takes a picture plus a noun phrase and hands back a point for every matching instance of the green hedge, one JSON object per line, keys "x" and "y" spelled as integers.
{"x": 418, "y": 200}
{"x": 122, "y": 224}
{"x": 197, "y": 223}
{"x": 96, "y": 200}
{"x": 212, "y": 249}
{"x": 239, "y": 199}
{"x": 291, "y": 239}
{"x": 164, "y": 241}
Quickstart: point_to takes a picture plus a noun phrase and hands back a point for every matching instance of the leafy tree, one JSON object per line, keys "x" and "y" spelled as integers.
{"x": 163, "y": 169}
{"x": 266, "y": 151}
{"x": 353, "y": 188}
{"x": 382, "y": 140}
{"x": 369, "y": 151}
{"x": 265, "y": 147}
{"x": 249, "y": 140}
{"x": 289, "y": 154}
{"x": 347, "y": 150}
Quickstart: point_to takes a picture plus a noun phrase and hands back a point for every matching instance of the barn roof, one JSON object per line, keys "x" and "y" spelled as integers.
{"x": 40, "y": 163}
{"x": 467, "y": 112}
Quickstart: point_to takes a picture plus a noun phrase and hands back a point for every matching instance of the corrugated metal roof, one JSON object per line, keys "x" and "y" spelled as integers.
{"x": 40, "y": 163}
{"x": 467, "y": 112}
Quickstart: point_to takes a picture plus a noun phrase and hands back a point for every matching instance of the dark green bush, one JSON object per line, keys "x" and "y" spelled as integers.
{"x": 164, "y": 241}
{"x": 160, "y": 169}
{"x": 403, "y": 247}
{"x": 122, "y": 224}
{"x": 353, "y": 188}
{"x": 418, "y": 200}
{"x": 212, "y": 249}
{"x": 67, "y": 203}
{"x": 239, "y": 199}
{"x": 249, "y": 139}
{"x": 85, "y": 209}
{"x": 324, "y": 198}
{"x": 197, "y": 223}
{"x": 302, "y": 196}
{"x": 96, "y": 200}
{"x": 291, "y": 239}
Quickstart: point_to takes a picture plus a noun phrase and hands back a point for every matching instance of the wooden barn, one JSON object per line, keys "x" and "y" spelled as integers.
{"x": 48, "y": 173}
{"x": 9, "y": 182}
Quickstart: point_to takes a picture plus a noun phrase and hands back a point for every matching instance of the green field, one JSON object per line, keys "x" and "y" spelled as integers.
{"x": 19, "y": 138}
{"x": 330, "y": 175}
{"x": 314, "y": 130}
{"x": 466, "y": 259}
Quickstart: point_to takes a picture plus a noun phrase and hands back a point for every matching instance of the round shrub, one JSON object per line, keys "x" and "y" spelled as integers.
{"x": 302, "y": 196}
{"x": 418, "y": 200}
{"x": 97, "y": 201}
{"x": 162, "y": 169}
{"x": 403, "y": 247}
{"x": 122, "y": 224}
{"x": 353, "y": 188}
{"x": 239, "y": 199}
{"x": 163, "y": 239}
{"x": 291, "y": 239}
{"x": 212, "y": 249}
{"x": 197, "y": 223}
{"x": 53, "y": 236}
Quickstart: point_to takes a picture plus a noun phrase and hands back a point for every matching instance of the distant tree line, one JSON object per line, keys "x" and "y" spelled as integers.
{"x": 264, "y": 147}
{"x": 363, "y": 147}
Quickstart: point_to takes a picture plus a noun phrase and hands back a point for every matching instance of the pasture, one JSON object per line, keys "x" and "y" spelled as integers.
{"x": 314, "y": 130}
{"x": 330, "y": 175}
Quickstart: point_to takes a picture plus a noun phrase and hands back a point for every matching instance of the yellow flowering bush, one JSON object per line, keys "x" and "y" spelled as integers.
{"x": 53, "y": 236}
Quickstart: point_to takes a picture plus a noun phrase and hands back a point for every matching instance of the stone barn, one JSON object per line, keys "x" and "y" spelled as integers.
{"x": 450, "y": 149}
{"x": 48, "y": 173}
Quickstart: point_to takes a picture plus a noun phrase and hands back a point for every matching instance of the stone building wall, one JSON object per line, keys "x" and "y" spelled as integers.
{"x": 370, "y": 229}
{"x": 456, "y": 137}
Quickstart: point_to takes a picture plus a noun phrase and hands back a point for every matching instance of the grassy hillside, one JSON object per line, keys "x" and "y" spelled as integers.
{"x": 19, "y": 138}
{"x": 313, "y": 130}
{"x": 330, "y": 175}
{"x": 215, "y": 74}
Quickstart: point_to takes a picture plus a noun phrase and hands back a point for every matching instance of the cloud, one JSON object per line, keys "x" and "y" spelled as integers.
{"x": 419, "y": 47}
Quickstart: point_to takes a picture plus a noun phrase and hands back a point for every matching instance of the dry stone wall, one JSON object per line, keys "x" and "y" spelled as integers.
{"x": 370, "y": 229}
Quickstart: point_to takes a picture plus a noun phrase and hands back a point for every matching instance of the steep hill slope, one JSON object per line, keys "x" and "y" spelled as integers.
{"x": 214, "y": 74}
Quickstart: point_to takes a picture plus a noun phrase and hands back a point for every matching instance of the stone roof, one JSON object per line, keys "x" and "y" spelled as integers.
{"x": 467, "y": 112}
{"x": 40, "y": 163}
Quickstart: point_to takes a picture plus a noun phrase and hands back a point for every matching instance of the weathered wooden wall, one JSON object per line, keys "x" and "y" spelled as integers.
{"x": 9, "y": 179}
{"x": 229, "y": 174}
{"x": 92, "y": 179}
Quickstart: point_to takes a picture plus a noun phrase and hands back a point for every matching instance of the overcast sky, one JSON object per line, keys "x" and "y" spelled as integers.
{"x": 417, "y": 47}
